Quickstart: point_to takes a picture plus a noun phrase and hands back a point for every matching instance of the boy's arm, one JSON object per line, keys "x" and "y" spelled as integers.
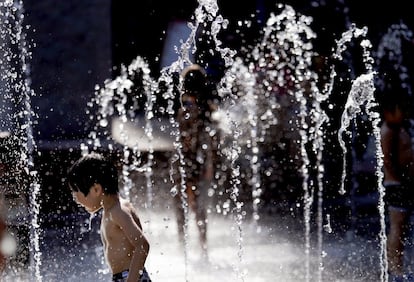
{"x": 136, "y": 237}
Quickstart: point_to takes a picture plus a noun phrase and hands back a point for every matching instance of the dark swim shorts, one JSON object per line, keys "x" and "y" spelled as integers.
{"x": 399, "y": 196}
{"x": 122, "y": 276}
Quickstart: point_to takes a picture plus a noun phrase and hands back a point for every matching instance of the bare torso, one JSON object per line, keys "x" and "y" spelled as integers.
{"x": 118, "y": 248}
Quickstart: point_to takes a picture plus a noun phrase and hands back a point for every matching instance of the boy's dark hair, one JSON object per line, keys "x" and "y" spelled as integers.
{"x": 93, "y": 169}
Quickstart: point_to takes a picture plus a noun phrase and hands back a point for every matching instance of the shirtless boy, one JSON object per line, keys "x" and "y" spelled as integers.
{"x": 93, "y": 181}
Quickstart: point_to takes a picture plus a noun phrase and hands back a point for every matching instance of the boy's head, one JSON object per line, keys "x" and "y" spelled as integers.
{"x": 93, "y": 169}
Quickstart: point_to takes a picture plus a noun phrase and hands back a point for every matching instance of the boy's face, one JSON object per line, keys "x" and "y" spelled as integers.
{"x": 92, "y": 202}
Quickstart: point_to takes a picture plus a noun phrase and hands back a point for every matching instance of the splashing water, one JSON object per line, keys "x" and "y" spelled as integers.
{"x": 361, "y": 98}
{"x": 289, "y": 72}
{"x": 283, "y": 81}
{"x": 390, "y": 50}
{"x": 112, "y": 99}
{"x": 205, "y": 13}
{"x": 15, "y": 75}
{"x": 257, "y": 98}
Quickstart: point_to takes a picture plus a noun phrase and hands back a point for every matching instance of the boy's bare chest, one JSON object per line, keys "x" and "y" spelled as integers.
{"x": 110, "y": 231}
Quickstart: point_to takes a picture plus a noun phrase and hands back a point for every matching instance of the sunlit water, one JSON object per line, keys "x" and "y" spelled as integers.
{"x": 264, "y": 248}
{"x": 274, "y": 254}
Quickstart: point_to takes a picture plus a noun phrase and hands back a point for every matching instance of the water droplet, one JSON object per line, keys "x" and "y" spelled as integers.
{"x": 103, "y": 122}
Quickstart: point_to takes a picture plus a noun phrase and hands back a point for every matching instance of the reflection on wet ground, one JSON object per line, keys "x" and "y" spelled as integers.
{"x": 271, "y": 250}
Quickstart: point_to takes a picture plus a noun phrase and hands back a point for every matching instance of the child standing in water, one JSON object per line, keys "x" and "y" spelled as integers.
{"x": 93, "y": 181}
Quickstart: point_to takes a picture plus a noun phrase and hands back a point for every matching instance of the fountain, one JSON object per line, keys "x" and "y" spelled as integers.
{"x": 18, "y": 147}
{"x": 270, "y": 104}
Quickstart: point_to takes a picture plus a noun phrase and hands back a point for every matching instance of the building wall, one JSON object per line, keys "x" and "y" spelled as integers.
{"x": 71, "y": 53}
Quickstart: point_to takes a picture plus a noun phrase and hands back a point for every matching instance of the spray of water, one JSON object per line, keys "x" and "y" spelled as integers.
{"x": 390, "y": 52}
{"x": 282, "y": 63}
{"x": 15, "y": 74}
{"x": 361, "y": 99}
{"x": 113, "y": 100}
{"x": 285, "y": 56}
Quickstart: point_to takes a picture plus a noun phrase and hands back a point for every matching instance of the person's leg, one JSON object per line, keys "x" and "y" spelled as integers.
{"x": 179, "y": 213}
{"x": 199, "y": 209}
{"x": 201, "y": 219}
{"x": 191, "y": 196}
{"x": 395, "y": 246}
{"x": 181, "y": 199}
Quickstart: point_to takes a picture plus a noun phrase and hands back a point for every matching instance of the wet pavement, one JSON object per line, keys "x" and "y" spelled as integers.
{"x": 272, "y": 249}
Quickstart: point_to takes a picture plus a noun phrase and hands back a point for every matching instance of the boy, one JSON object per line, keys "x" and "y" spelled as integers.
{"x": 93, "y": 181}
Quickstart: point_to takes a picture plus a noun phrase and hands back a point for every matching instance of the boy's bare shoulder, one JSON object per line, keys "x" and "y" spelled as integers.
{"x": 126, "y": 205}
{"x": 125, "y": 212}
{"x": 121, "y": 209}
